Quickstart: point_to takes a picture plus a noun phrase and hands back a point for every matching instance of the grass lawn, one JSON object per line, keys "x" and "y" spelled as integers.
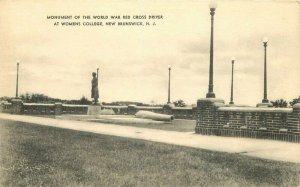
{"x": 33, "y": 155}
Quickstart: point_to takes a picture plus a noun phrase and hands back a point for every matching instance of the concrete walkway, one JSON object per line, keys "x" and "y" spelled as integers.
{"x": 268, "y": 149}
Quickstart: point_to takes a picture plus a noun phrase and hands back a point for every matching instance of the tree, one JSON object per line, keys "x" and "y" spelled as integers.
{"x": 39, "y": 98}
{"x": 25, "y": 97}
{"x": 296, "y": 100}
{"x": 84, "y": 101}
{"x": 35, "y": 98}
{"x": 179, "y": 103}
{"x": 5, "y": 98}
{"x": 280, "y": 103}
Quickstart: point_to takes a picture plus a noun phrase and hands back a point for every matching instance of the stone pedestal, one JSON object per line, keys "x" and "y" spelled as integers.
{"x": 1, "y": 106}
{"x": 206, "y": 115}
{"x": 294, "y": 119}
{"x": 167, "y": 109}
{"x": 132, "y": 110}
{"x": 94, "y": 110}
{"x": 17, "y": 106}
{"x": 264, "y": 105}
{"x": 58, "y": 109}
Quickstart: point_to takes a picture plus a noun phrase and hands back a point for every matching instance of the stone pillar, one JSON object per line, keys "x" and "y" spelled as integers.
{"x": 264, "y": 105}
{"x": 132, "y": 110}
{"x": 94, "y": 110}
{"x": 167, "y": 109}
{"x": 194, "y": 112}
{"x": 205, "y": 115}
{"x": 294, "y": 119}
{"x": 1, "y": 106}
{"x": 58, "y": 109}
{"x": 17, "y": 106}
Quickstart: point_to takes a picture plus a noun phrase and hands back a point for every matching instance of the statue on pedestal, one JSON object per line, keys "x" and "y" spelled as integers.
{"x": 95, "y": 91}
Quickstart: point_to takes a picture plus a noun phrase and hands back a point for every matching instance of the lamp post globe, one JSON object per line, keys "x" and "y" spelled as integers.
{"x": 213, "y": 4}
{"x": 265, "y": 40}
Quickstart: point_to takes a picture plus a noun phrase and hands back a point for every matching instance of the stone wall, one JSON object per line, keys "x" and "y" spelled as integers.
{"x": 215, "y": 118}
{"x": 177, "y": 112}
{"x": 36, "y": 108}
{"x": 183, "y": 113}
{"x": 5, "y": 107}
{"x": 74, "y": 109}
{"x": 119, "y": 110}
{"x": 18, "y": 107}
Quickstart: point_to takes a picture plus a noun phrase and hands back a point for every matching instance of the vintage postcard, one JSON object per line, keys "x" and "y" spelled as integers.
{"x": 150, "y": 93}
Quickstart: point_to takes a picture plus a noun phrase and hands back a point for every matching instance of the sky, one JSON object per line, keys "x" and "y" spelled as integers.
{"x": 133, "y": 61}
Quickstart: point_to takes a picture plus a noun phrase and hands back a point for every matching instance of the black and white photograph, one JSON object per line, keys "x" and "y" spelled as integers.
{"x": 150, "y": 93}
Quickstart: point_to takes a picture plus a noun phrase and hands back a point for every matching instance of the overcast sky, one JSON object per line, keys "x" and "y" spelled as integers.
{"x": 133, "y": 61}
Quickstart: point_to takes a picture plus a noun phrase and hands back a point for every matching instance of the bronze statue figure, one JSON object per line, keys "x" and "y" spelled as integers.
{"x": 95, "y": 91}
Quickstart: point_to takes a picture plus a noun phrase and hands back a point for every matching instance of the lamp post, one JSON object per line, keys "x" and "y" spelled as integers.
{"x": 211, "y": 93}
{"x": 169, "y": 88}
{"x": 265, "y": 99}
{"x": 231, "y": 95}
{"x": 17, "y": 84}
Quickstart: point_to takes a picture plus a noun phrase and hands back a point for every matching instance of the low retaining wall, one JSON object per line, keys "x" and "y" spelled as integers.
{"x": 214, "y": 118}
{"x": 5, "y": 107}
{"x": 177, "y": 112}
{"x": 120, "y": 110}
{"x": 183, "y": 113}
{"x": 36, "y": 108}
{"x": 18, "y": 107}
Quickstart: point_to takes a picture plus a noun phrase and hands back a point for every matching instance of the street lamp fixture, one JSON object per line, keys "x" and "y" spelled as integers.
{"x": 211, "y": 94}
{"x": 169, "y": 87}
{"x": 232, "y": 66}
{"x": 17, "y": 84}
{"x": 265, "y": 99}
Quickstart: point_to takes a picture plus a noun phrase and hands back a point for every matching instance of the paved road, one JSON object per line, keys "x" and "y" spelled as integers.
{"x": 269, "y": 149}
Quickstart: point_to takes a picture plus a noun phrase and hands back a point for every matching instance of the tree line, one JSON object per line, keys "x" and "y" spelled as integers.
{"x": 281, "y": 103}
{"x": 41, "y": 98}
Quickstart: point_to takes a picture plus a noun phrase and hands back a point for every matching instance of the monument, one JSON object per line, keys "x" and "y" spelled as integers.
{"x": 95, "y": 90}
{"x": 95, "y": 108}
